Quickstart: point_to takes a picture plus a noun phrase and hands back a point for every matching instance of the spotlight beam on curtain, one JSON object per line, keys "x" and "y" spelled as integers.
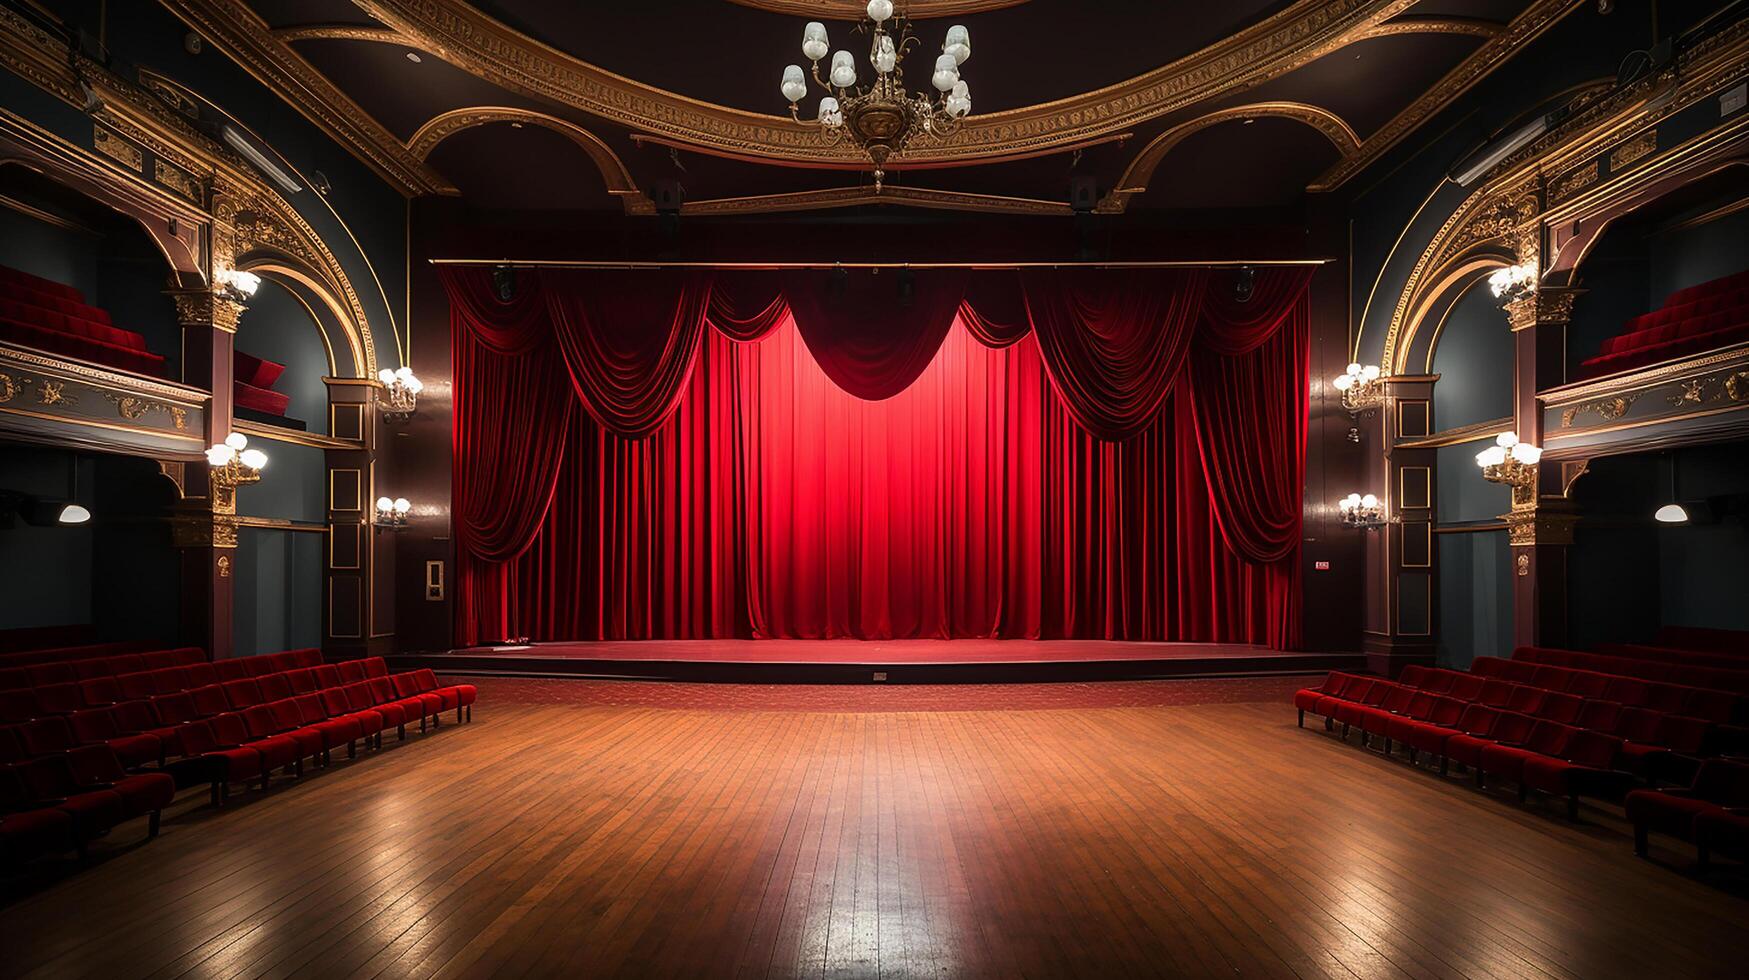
{"x": 643, "y": 353}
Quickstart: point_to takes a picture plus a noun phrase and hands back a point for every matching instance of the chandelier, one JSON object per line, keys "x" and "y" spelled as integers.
{"x": 880, "y": 118}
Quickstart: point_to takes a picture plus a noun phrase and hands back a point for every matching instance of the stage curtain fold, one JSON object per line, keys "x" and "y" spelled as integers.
{"x": 1113, "y": 345}
{"x": 872, "y": 334}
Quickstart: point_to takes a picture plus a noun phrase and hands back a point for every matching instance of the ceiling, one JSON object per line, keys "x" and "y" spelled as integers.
{"x": 525, "y": 104}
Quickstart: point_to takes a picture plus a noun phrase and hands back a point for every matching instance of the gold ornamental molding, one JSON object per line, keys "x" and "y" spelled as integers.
{"x": 248, "y": 40}
{"x": 857, "y": 9}
{"x": 468, "y": 38}
{"x": 1525, "y": 28}
{"x": 1471, "y": 26}
{"x": 338, "y": 32}
{"x": 613, "y": 171}
{"x": 1140, "y": 172}
{"x": 850, "y": 197}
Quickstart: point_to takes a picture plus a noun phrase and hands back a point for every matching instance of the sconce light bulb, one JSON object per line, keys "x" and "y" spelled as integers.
{"x": 236, "y": 440}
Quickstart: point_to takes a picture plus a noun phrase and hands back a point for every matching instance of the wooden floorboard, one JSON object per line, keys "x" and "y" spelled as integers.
{"x": 556, "y": 839}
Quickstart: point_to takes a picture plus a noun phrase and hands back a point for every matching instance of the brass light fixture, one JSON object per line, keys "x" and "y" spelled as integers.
{"x": 232, "y": 464}
{"x": 399, "y": 395}
{"x": 880, "y": 118}
{"x": 1362, "y": 511}
{"x": 1362, "y": 388}
{"x": 1514, "y": 464}
{"x": 392, "y": 514}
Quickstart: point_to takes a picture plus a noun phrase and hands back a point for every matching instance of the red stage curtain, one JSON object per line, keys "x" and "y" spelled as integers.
{"x": 771, "y": 500}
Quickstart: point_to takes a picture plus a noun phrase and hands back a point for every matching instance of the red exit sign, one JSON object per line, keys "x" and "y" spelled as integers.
{"x": 1320, "y": 566}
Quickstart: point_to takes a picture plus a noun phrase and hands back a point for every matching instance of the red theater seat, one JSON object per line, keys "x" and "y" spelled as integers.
{"x": 1719, "y": 785}
{"x": 28, "y": 831}
{"x": 1725, "y": 831}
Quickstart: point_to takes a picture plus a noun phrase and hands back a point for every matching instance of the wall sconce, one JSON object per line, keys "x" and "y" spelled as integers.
{"x": 1513, "y": 282}
{"x": 1513, "y": 463}
{"x": 232, "y": 464}
{"x": 235, "y": 284}
{"x": 400, "y": 394}
{"x": 1362, "y": 511}
{"x": 393, "y": 513}
{"x": 1360, "y": 387}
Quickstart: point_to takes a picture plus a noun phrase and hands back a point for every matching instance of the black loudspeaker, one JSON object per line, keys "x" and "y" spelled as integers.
{"x": 667, "y": 195}
{"x": 1244, "y": 281}
{"x": 1083, "y": 193}
{"x": 504, "y": 282}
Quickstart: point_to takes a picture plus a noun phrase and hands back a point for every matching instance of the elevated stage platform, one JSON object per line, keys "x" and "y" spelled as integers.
{"x": 871, "y": 661}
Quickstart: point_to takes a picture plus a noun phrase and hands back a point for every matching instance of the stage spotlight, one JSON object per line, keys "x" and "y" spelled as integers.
{"x": 504, "y": 282}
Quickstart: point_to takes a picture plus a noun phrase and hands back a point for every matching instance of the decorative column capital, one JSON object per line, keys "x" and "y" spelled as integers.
{"x": 1546, "y": 305}
{"x": 198, "y": 308}
{"x": 1547, "y": 520}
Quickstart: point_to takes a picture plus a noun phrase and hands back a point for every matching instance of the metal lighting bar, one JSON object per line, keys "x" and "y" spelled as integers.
{"x": 622, "y": 264}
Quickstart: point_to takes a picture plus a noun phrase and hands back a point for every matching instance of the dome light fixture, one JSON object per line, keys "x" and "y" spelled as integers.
{"x": 1671, "y": 514}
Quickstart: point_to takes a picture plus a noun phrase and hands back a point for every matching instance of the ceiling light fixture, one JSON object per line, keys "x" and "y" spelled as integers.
{"x": 1671, "y": 514}
{"x": 880, "y": 118}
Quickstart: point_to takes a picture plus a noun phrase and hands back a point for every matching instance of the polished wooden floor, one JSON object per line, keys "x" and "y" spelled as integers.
{"x": 567, "y": 839}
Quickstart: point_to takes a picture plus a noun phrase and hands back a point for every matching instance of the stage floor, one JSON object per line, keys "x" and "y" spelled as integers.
{"x": 882, "y": 661}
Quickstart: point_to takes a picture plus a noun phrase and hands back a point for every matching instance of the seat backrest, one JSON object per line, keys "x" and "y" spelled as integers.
{"x": 335, "y": 701}
{"x": 99, "y": 690}
{"x": 229, "y": 729}
{"x": 93, "y": 725}
{"x": 1627, "y": 691}
{"x": 260, "y": 721}
{"x": 175, "y": 709}
{"x": 1512, "y": 727}
{"x": 1447, "y": 711}
{"x": 1488, "y": 667}
{"x": 95, "y": 764}
{"x": 1599, "y": 716}
{"x": 1414, "y": 675}
{"x": 1550, "y": 678}
{"x": 1479, "y": 720}
{"x": 245, "y": 693}
{"x": 231, "y": 670}
{"x": 60, "y": 699}
{"x": 1587, "y": 683}
{"x": 283, "y": 661}
{"x": 351, "y": 671}
{"x": 1594, "y": 749}
{"x": 327, "y": 675}
{"x": 274, "y": 687}
{"x": 1724, "y": 783}
{"x": 210, "y": 700}
{"x": 1495, "y": 692}
{"x": 17, "y": 706}
{"x": 1712, "y": 705}
{"x": 259, "y": 665}
{"x": 1421, "y": 704}
{"x": 1639, "y": 725}
{"x": 364, "y": 695}
{"x": 301, "y": 679}
{"x": 1466, "y": 687}
{"x": 376, "y": 667}
{"x": 286, "y": 715}
{"x": 1396, "y": 702}
{"x": 310, "y": 709}
{"x": 384, "y": 690}
{"x": 1668, "y": 698}
{"x": 47, "y": 735}
{"x": 136, "y": 685}
{"x": 200, "y": 675}
{"x": 1526, "y": 699}
{"x": 1563, "y": 708}
{"x": 49, "y": 777}
{"x": 406, "y": 685}
{"x": 1683, "y": 734}
{"x": 1549, "y": 738}
{"x": 159, "y": 659}
{"x": 57, "y": 673}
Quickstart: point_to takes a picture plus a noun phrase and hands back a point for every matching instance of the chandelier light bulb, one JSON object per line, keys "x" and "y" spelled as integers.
{"x": 1369, "y": 501}
{"x": 1354, "y": 369}
{"x": 885, "y": 57}
{"x": 1506, "y": 440}
{"x": 255, "y": 459}
{"x": 1527, "y": 454}
{"x": 1342, "y": 382}
{"x": 219, "y": 455}
{"x": 1492, "y": 456}
{"x": 947, "y": 73}
{"x": 386, "y": 376}
{"x": 959, "y": 101}
{"x": 236, "y": 440}
{"x": 958, "y": 44}
{"x": 402, "y": 505}
{"x": 880, "y": 10}
{"x": 814, "y": 43}
{"x": 843, "y": 69}
{"x": 1370, "y": 372}
{"x": 795, "y": 84}
{"x": 384, "y": 505}
{"x": 829, "y": 114}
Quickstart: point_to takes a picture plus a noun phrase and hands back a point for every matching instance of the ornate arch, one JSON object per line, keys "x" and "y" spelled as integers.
{"x": 613, "y": 171}
{"x": 1428, "y": 319}
{"x": 1136, "y": 177}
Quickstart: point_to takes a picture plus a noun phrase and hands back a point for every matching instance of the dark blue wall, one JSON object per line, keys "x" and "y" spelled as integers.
{"x": 1474, "y": 362}
{"x": 279, "y": 328}
{"x": 45, "y": 572}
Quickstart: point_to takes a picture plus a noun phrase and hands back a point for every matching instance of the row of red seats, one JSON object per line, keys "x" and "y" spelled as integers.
{"x": 73, "y": 671}
{"x": 252, "y": 381}
{"x": 62, "y": 802}
{"x": 221, "y": 734}
{"x": 1726, "y": 707}
{"x": 82, "y": 651}
{"x": 1537, "y": 752}
{"x": 50, "y": 316}
{"x": 1713, "y": 813}
{"x": 1669, "y": 655}
{"x": 1692, "y": 675}
{"x": 1704, "y": 638}
{"x": 1711, "y": 314}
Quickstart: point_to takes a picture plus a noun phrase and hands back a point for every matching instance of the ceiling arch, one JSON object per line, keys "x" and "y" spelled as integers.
{"x": 1141, "y": 169}
{"x": 613, "y": 171}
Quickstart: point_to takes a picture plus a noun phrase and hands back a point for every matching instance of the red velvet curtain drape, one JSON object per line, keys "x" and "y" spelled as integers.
{"x": 1090, "y": 455}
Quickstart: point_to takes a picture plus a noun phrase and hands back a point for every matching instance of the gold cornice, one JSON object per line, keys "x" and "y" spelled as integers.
{"x": 613, "y": 171}
{"x": 297, "y": 437}
{"x": 1475, "y": 432}
{"x": 338, "y": 32}
{"x": 1137, "y": 175}
{"x": 1471, "y": 26}
{"x": 1642, "y": 378}
{"x": 855, "y": 9}
{"x": 248, "y": 40}
{"x": 120, "y": 381}
{"x": 1525, "y": 28}
{"x": 466, "y": 37}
